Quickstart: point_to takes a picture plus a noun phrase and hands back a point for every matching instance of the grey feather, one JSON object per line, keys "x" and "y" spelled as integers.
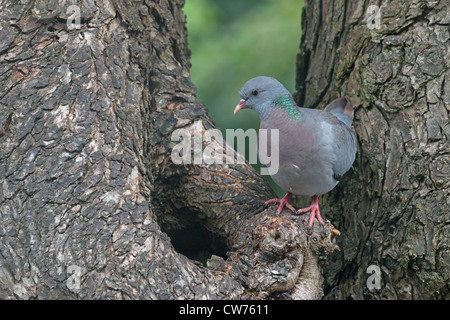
{"x": 316, "y": 147}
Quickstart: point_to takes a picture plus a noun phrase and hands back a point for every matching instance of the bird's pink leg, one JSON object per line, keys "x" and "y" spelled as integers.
{"x": 283, "y": 202}
{"x": 315, "y": 212}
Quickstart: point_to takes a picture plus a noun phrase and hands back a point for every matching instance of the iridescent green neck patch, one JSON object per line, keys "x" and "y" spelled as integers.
{"x": 287, "y": 103}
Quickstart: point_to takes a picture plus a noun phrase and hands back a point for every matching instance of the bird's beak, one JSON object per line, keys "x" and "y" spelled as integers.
{"x": 240, "y": 106}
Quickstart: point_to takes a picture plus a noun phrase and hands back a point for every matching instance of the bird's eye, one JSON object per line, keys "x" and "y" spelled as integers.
{"x": 255, "y": 92}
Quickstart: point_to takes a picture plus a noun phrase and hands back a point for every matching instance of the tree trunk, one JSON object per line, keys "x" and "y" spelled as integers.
{"x": 393, "y": 61}
{"x": 91, "y": 204}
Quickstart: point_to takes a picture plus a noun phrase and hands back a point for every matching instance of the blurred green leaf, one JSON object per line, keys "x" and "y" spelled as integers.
{"x": 234, "y": 41}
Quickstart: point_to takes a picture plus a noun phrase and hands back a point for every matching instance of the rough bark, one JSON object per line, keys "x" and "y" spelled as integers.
{"x": 393, "y": 207}
{"x": 91, "y": 205}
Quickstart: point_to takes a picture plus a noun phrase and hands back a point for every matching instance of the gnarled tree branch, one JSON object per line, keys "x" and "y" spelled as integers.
{"x": 91, "y": 205}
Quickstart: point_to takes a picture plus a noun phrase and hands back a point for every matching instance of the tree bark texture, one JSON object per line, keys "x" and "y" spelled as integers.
{"x": 91, "y": 205}
{"x": 393, "y": 207}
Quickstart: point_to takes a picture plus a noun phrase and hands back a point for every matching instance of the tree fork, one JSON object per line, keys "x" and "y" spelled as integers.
{"x": 87, "y": 180}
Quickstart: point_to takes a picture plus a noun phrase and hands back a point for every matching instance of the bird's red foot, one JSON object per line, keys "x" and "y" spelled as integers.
{"x": 283, "y": 202}
{"x": 315, "y": 212}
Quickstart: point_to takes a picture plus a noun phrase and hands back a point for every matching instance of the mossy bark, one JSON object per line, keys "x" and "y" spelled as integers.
{"x": 91, "y": 204}
{"x": 393, "y": 206}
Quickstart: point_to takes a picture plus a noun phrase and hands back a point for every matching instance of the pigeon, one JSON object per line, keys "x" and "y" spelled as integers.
{"x": 316, "y": 147}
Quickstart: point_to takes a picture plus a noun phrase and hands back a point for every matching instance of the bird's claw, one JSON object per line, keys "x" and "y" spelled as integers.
{"x": 284, "y": 202}
{"x": 315, "y": 212}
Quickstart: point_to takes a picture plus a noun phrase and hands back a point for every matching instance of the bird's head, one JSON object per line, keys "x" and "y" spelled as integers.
{"x": 259, "y": 93}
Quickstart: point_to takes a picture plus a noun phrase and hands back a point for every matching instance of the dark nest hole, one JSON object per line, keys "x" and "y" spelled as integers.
{"x": 191, "y": 237}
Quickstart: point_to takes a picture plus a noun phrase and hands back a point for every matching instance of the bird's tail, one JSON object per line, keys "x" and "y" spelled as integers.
{"x": 342, "y": 109}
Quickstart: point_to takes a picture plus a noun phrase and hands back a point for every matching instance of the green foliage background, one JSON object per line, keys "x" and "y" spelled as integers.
{"x": 233, "y": 41}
